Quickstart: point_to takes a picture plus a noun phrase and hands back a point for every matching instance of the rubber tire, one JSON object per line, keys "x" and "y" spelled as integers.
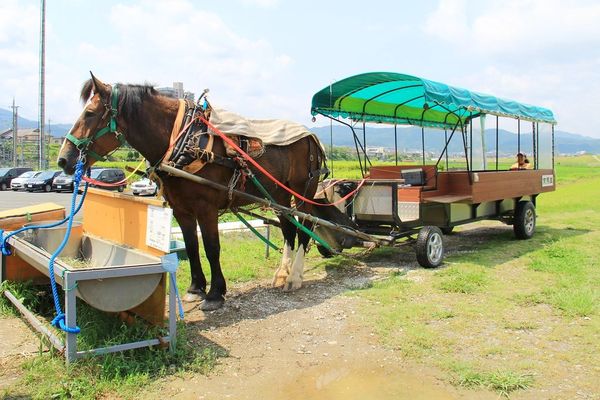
{"x": 48, "y": 188}
{"x": 324, "y": 252}
{"x": 524, "y": 220}
{"x": 430, "y": 236}
{"x": 121, "y": 189}
{"x": 446, "y": 230}
{"x": 3, "y": 187}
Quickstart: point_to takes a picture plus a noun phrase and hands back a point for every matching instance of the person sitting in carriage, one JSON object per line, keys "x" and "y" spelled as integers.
{"x": 522, "y": 163}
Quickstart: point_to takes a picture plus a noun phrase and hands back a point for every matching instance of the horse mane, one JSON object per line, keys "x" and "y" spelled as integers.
{"x": 131, "y": 97}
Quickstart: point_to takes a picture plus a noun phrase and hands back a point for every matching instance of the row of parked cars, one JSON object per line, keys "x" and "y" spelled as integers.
{"x": 23, "y": 178}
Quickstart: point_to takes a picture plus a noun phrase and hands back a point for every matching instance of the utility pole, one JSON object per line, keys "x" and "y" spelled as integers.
{"x": 42, "y": 81}
{"x": 15, "y": 129}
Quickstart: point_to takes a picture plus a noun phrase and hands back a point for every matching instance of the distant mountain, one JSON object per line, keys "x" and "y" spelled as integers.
{"x": 57, "y": 130}
{"x": 409, "y": 140}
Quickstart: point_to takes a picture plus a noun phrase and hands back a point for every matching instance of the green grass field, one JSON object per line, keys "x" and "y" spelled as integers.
{"x": 490, "y": 316}
{"x": 500, "y": 314}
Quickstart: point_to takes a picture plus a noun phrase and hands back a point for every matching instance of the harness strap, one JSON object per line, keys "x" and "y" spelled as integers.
{"x": 176, "y": 128}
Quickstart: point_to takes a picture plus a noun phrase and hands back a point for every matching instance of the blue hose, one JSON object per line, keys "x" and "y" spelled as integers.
{"x": 59, "y": 319}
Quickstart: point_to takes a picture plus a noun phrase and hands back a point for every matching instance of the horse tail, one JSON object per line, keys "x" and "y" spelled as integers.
{"x": 321, "y": 170}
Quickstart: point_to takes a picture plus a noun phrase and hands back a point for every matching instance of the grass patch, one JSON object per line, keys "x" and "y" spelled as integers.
{"x": 25, "y": 292}
{"x": 503, "y": 382}
{"x": 462, "y": 280}
{"x": 121, "y": 374}
{"x": 575, "y": 302}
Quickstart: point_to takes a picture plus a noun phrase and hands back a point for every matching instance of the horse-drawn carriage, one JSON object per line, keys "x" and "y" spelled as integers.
{"x": 390, "y": 202}
{"x": 431, "y": 198}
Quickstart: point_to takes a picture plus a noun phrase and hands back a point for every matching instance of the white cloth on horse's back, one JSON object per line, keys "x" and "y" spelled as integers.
{"x": 278, "y": 132}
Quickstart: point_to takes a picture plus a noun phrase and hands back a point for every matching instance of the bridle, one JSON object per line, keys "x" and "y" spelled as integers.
{"x": 84, "y": 144}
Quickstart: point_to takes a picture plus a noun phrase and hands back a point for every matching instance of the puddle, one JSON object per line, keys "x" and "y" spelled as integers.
{"x": 373, "y": 383}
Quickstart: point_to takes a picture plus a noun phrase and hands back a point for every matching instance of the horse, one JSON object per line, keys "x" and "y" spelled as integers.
{"x": 144, "y": 118}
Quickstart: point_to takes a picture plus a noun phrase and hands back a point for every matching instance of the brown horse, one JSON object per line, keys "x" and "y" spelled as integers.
{"x": 144, "y": 118}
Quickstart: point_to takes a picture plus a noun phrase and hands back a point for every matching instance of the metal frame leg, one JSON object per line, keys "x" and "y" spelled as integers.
{"x": 172, "y": 313}
{"x": 70, "y": 316}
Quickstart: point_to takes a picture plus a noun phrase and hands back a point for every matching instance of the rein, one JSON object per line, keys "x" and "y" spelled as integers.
{"x": 84, "y": 144}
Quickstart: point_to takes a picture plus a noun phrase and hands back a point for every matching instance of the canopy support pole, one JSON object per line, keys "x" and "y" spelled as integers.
{"x": 448, "y": 142}
{"x": 533, "y": 134}
{"x": 518, "y": 135}
{"x": 396, "y": 142}
{"x": 423, "y": 134}
{"x": 496, "y": 143}
{"x": 444, "y": 151}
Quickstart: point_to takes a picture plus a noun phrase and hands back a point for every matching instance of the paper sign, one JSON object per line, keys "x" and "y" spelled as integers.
{"x": 158, "y": 228}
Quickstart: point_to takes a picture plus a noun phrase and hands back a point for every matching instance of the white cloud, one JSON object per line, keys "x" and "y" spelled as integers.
{"x": 515, "y": 27}
{"x": 18, "y": 52}
{"x": 261, "y": 3}
{"x": 174, "y": 41}
{"x": 542, "y": 52}
{"x": 448, "y": 21}
{"x": 158, "y": 42}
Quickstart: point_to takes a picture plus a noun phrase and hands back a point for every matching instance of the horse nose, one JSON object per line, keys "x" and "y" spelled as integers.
{"x": 62, "y": 162}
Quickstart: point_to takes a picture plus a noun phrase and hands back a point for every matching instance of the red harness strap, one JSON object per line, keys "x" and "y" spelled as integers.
{"x": 271, "y": 177}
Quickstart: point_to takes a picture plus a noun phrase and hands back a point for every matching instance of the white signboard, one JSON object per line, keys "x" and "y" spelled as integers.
{"x": 547, "y": 180}
{"x": 158, "y": 228}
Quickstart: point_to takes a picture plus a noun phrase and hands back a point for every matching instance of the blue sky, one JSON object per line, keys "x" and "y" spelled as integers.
{"x": 266, "y": 58}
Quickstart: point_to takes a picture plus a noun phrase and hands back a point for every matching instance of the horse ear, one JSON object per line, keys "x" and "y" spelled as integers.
{"x": 98, "y": 86}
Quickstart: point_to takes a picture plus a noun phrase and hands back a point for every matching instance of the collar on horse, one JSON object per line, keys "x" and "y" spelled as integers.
{"x": 84, "y": 144}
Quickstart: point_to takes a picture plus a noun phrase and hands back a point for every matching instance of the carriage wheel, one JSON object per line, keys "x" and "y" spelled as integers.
{"x": 524, "y": 221}
{"x": 430, "y": 247}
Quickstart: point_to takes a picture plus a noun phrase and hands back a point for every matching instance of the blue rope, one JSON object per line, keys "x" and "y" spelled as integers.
{"x": 59, "y": 319}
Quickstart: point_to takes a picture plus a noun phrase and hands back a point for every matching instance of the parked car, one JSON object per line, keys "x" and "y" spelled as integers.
{"x": 8, "y": 174}
{"x": 42, "y": 181}
{"x": 63, "y": 183}
{"x": 144, "y": 187}
{"x": 18, "y": 183}
{"x": 107, "y": 175}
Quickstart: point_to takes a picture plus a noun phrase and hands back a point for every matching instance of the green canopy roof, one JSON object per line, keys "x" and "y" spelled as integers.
{"x": 404, "y": 99}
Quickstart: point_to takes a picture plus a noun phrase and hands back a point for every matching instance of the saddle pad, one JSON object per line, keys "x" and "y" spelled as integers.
{"x": 277, "y": 132}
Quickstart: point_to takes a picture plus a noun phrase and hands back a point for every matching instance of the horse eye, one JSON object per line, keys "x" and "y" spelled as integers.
{"x": 89, "y": 114}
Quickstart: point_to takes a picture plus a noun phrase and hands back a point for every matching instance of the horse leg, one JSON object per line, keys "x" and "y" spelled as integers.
{"x": 294, "y": 280}
{"x": 289, "y": 237}
{"x": 210, "y": 238}
{"x": 197, "y": 289}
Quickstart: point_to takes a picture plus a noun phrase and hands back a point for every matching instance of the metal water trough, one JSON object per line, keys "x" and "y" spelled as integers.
{"x": 110, "y": 277}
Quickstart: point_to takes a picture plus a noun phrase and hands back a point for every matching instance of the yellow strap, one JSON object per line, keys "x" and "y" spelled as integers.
{"x": 176, "y": 128}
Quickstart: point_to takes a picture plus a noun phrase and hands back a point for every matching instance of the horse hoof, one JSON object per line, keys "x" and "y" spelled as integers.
{"x": 291, "y": 286}
{"x": 211, "y": 305}
{"x": 193, "y": 297}
{"x": 278, "y": 281}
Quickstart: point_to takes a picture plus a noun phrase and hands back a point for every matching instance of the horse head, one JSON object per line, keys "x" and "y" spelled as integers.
{"x": 96, "y": 132}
